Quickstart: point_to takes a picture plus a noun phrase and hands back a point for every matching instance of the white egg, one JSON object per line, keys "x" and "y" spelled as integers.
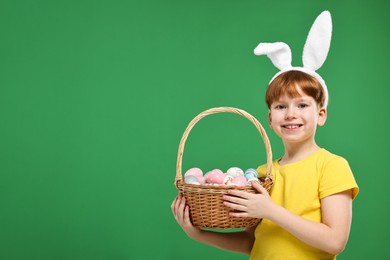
{"x": 235, "y": 171}
{"x": 191, "y": 179}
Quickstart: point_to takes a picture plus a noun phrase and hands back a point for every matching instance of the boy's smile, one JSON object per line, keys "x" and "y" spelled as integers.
{"x": 292, "y": 126}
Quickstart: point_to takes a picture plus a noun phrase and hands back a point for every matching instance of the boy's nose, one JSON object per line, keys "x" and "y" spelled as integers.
{"x": 290, "y": 113}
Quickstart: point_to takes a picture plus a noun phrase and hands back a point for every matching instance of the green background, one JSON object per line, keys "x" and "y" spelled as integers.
{"x": 95, "y": 95}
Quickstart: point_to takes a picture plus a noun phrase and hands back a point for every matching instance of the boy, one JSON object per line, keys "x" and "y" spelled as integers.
{"x": 308, "y": 215}
{"x": 309, "y": 212}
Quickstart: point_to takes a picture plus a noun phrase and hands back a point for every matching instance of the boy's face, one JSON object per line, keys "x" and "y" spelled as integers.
{"x": 296, "y": 119}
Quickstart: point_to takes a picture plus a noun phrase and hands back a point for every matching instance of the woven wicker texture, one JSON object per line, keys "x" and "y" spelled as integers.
{"x": 205, "y": 202}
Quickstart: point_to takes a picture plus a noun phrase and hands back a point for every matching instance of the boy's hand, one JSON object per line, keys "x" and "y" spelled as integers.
{"x": 182, "y": 215}
{"x": 249, "y": 204}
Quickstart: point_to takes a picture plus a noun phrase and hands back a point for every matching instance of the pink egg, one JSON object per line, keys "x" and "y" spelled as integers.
{"x": 239, "y": 180}
{"x": 201, "y": 179}
{"x": 195, "y": 172}
{"x": 215, "y": 176}
{"x": 217, "y": 171}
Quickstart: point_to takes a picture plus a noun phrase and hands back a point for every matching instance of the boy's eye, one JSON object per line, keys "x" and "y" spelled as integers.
{"x": 302, "y": 105}
{"x": 280, "y": 106}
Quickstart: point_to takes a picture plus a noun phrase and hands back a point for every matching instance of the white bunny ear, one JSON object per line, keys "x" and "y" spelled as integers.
{"x": 278, "y": 52}
{"x": 318, "y": 42}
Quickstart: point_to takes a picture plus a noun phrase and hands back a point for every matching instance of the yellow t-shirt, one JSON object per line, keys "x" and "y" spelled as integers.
{"x": 299, "y": 187}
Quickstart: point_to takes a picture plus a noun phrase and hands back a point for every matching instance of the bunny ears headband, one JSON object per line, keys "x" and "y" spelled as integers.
{"x": 314, "y": 53}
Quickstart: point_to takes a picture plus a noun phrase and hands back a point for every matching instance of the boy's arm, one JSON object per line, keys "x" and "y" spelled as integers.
{"x": 331, "y": 235}
{"x": 239, "y": 242}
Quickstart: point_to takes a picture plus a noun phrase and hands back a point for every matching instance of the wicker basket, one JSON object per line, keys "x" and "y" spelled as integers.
{"x": 206, "y": 202}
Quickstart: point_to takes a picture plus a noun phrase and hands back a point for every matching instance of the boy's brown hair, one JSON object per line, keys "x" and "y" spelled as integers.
{"x": 287, "y": 83}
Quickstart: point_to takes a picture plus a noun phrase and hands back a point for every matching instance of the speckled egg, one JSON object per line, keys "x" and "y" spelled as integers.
{"x": 201, "y": 179}
{"x": 235, "y": 171}
{"x": 194, "y": 171}
{"x": 227, "y": 180}
{"x": 215, "y": 176}
{"x": 239, "y": 180}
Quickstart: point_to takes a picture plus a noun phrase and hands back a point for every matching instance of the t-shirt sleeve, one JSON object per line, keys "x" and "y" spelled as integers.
{"x": 336, "y": 177}
{"x": 262, "y": 169}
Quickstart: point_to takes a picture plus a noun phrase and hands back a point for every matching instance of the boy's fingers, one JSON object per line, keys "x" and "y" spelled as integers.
{"x": 176, "y": 205}
{"x": 235, "y": 199}
{"x": 237, "y": 193}
{"x": 258, "y": 187}
{"x": 187, "y": 213}
{"x": 235, "y": 206}
{"x": 173, "y": 205}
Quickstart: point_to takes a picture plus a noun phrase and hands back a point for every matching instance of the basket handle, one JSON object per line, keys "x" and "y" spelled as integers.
{"x": 221, "y": 110}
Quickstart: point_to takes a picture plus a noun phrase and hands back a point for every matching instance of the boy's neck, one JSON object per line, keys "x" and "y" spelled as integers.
{"x": 297, "y": 152}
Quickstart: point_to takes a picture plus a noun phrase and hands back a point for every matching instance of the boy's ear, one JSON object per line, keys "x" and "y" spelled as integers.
{"x": 322, "y": 115}
{"x": 269, "y": 119}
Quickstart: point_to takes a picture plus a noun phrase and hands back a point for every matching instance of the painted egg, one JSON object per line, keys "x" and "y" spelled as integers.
{"x": 191, "y": 179}
{"x": 217, "y": 171}
{"x": 201, "y": 179}
{"x": 213, "y": 172}
{"x": 194, "y": 171}
{"x": 215, "y": 176}
{"x": 251, "y": 173}
{"x": 228, "y": 179}
{"x": 235, "y": 171}
{"x": 255, "y": 179}
{"x": 239, "y": 180}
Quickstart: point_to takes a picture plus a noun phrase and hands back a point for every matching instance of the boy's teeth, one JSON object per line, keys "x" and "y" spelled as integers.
{"x": 291, "y": 126}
